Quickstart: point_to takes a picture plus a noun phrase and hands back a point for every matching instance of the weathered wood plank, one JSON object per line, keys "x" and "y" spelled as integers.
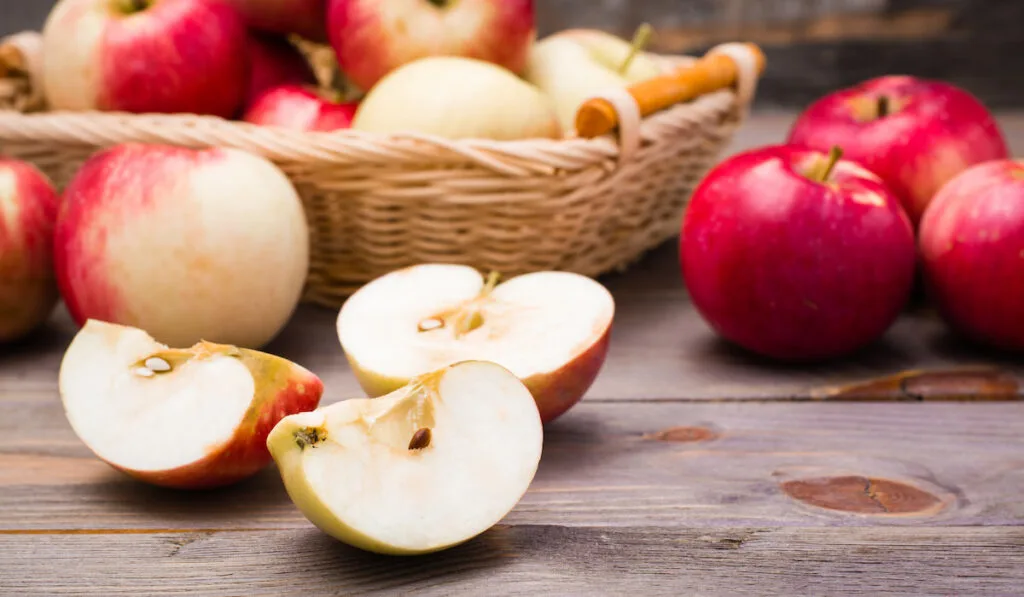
{"x": 527, "y": 560}
{"x": 613, "y": 464}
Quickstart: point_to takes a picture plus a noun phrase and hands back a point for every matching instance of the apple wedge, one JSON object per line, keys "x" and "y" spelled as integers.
{"x": 551, "y": 329}
{"x": 424, "y": 468}
{"x": 182, "y": 418}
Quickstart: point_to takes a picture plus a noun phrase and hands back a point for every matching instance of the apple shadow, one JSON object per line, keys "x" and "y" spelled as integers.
{"x": 955, "y": 346}
{"x": 356, "y": 569}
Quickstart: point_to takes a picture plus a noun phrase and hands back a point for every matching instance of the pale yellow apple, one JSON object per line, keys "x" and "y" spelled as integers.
{"x": 431, "y": 465}
{"x": 456, "y": 97}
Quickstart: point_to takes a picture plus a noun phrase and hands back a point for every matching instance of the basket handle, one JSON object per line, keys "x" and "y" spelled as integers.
{"x": 722, "y": 66}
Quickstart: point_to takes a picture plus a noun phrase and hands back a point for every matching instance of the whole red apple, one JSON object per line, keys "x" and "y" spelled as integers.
{"x": 373, "y": 37}
{"x": 794, "y": 257}
{"x": 972, "y": 251}
{"x": 162, "y": 56}
{"x": 28, "y": 209}
{"x": 274, "y": 61}
{"x": 301, "y": 107}
{"x": 301, "y": 17}
{"x": 914, "y": 133}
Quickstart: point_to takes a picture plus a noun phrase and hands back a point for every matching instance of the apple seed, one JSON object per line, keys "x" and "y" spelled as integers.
{"x": 420, "y": 439}
{"x": 157, "y": 365}
{"x": 144, "y": 372}
{"x": 431, "y": 323}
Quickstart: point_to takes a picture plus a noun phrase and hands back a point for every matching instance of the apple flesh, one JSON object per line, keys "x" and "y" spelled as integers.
{"x": 302, "y": 108}
{"x": 793, "y": 259}
{"x": 304, "y": 18}
{"x": 274, "y": 62}
{"x": 374, "y": 37}
{"x": 916, "y": 134}
{"x": 431, "y": 465}
{"x": 551, "y": 329}
{"x": 181, "y": 418}
{"x": 490, "y": 102}
{"x": 972, "y": 251}
{"x": 162, "y": 56}
{"x": 28, "y": 209}
{"x": 187, "y": 244}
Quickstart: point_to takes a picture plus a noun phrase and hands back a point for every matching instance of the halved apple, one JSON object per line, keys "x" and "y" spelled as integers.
{"x": 551, "y": 329}
{"x": 426, "y": 467}
{"x": 183, "y": 418}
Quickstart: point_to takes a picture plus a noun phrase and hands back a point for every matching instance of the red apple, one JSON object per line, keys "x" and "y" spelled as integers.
{"x": 301, "y": 17}
{"x": 28, "y": 289}
{"x": 972, "y": 251}
{"x": 914, "y": 133}
{"x": 189, "y": 418}
{"x": 301, "y": 107}
{"x": 374, "y": 37}
{"x": 274, "y": 61}
{"x": 793, "y": 259}
{"x": 145, "y": 56}
{"x": 186, "y": 244}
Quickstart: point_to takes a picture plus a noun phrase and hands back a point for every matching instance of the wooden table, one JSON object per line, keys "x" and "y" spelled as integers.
{"x": 690, "y": 468}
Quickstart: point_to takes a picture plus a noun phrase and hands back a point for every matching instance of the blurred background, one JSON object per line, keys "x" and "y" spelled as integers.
{"x": 813, "y": 46}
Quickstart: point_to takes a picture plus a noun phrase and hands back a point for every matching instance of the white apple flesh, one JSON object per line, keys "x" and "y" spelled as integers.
{"x": 551, "y": 329}
{"x": 181, "y": 418}
{"x": 431, "y": 465}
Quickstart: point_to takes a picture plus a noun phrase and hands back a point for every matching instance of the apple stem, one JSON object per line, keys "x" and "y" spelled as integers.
{"x": 824, "y": 170}
{"x": 883, "y": 106}
{"x": 641, "y": 39}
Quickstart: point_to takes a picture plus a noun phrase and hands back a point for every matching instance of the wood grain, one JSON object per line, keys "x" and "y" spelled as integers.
{"x": 528, "y": 560}
{"x": 604, "y": 464}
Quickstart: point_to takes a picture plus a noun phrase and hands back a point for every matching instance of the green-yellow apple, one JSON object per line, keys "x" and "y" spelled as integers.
{"x": 426, "y": 467}
{"x": 183, "y": 418}
{"x": 186, "y": 244}
{"x": 28, "y": 289}
{"x": 145, "y": 56}
{"x": 573, "y": 66}
{"x": 551, "y": 329}
{"x": 371, "y": 38}
{"x": 455, "y": 97}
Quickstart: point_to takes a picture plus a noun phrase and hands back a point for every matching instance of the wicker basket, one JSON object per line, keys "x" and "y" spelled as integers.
{"x": 376, "y": 203}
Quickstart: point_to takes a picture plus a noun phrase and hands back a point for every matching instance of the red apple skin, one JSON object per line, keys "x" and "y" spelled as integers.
{"x": 301, "y": 17}
{"x": 273, "y": 62}
{"x": 373, "y": 37}
{"x": 300, "y": 108}
{"x": 792, "y": 269}
{"x": 558, "y": 391}
{"x": 176, "y": 56}
{"x": 935, "y": 131}
{"x": 296, "y": 390}
{"x": 28, "y": 210}
{"x": 972, "y": 252}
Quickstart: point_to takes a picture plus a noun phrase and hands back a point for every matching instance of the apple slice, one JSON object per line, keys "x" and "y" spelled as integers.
{"x": 183, "y": 418}
{"x": 551, "y": 329}
{"x": 426, "y": 467}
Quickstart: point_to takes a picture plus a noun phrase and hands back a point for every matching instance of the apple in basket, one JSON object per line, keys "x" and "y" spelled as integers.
{"x": 186, "y": 244}
{"x": 426, "y": 467}
{"x": 972, "y": 250}
{"x": 374, "y": 37}
{"x": 273, "y": 62}
{"x": 455, "y": 98}
{"x": 796, "y": 255}
{"x": 188, "y": 418}
{"x": 299, "y": 17}
{"x": 914, "y": 133}
{"x": 28, "y": 208}
{"x": 573, "y": 65}
{"x": 302, "y": 107}
{"x": 551, "y": 329}
{"x": 165, "y": 56}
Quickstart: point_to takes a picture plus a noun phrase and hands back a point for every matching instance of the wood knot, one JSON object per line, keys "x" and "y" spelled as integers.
{"x": 863, "y": 495}
{"x": 684, "y": 435}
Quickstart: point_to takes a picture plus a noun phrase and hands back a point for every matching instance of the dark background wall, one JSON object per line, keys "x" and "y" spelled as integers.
{"x": 813, "y": 46}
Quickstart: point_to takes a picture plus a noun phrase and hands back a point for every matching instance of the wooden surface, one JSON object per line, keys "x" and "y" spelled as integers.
{"x": 690, "y": 468}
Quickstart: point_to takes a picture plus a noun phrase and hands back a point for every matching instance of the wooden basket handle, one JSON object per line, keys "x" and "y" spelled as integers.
{"x": 721, "y": 67}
